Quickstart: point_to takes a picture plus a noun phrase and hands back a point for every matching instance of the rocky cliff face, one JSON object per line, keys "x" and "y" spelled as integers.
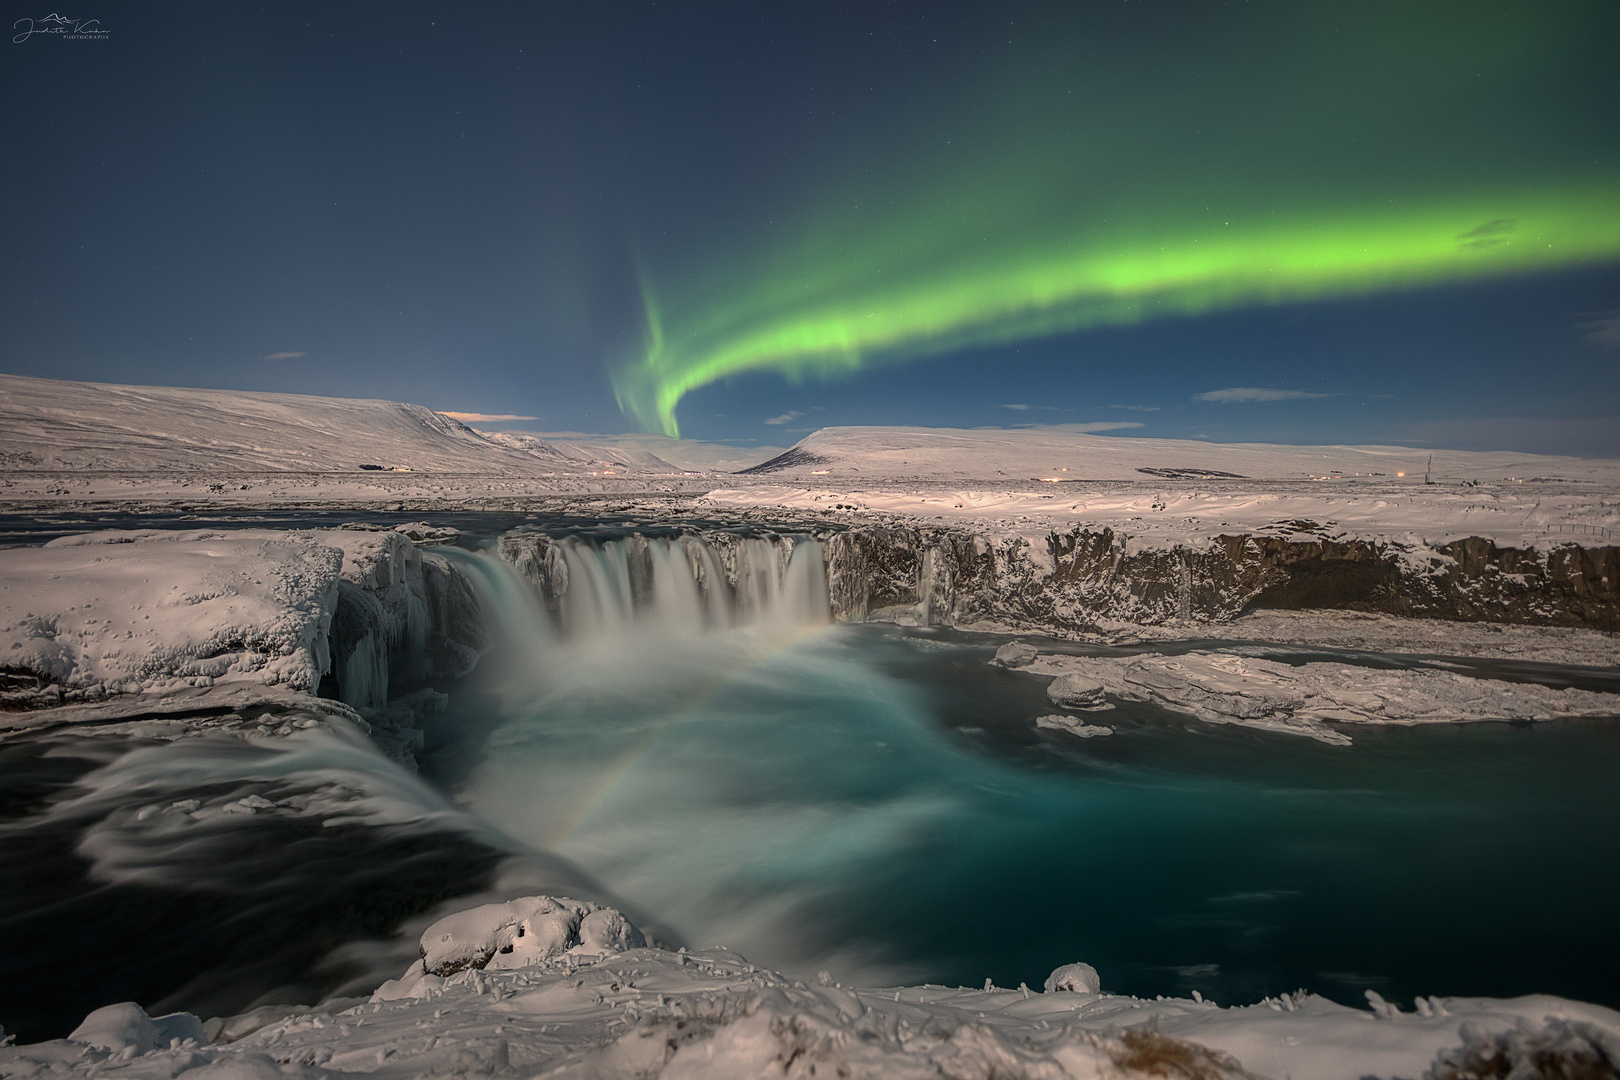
{"x": 1082, "y": 580}
{"x": 403, "y": 614}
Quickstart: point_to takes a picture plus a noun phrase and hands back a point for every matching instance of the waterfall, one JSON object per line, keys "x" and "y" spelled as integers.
{"x": 582, "y": 589}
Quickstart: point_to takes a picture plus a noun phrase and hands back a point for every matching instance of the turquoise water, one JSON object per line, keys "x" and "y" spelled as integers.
{"x": 867, "y": 800}
{"x": 878, "y": 803}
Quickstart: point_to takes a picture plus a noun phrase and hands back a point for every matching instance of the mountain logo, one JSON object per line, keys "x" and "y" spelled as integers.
{"x": 59, "y": 26}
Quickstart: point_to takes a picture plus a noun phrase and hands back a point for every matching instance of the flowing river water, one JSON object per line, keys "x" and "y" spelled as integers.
{"x": 734, "y": 768}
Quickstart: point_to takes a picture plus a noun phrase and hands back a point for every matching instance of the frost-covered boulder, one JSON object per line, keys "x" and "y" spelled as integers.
{"x": 1076, "y": 692}
{"x": 1076, "y": 978}
{"x": 523, "y": 932}
{"x": 1016, "y": 654}
{"x": 126, "y": 1026}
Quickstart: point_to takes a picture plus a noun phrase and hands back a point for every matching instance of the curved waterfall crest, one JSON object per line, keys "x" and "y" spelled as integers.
{"x": 589, "y": 586}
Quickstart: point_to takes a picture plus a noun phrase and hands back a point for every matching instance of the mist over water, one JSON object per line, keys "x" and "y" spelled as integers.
{"x": 215, "y": 873}
{"x": 877, "y": 802}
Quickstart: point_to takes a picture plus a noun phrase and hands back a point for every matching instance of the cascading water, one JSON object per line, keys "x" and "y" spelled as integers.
{"x": 681, "y": 585}
{"x": 681, "y": 720}
{"x": 673, "y": 724}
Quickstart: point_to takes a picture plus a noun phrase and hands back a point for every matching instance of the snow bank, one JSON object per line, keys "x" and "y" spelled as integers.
{"x": 88, "y": 617}
{"x": 619, "y": 1013}
{"x": 1540, "y": 516}
{"x": 126, "y": 1027}
{"x": 1231, "y": 688}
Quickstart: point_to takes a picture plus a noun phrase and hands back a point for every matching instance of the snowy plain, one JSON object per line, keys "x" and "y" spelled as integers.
{"x": 148, "y": 622}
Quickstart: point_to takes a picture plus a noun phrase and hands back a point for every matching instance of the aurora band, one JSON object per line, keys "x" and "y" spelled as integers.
{"x": 879, "y": 305}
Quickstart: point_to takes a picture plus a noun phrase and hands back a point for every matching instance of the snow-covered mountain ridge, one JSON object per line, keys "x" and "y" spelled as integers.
{"x": 1061, "y": 453}
{"x": 55, "y": 425}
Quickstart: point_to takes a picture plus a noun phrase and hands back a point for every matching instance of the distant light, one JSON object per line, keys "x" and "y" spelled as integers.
{"x": 1400, "y": 474}
{"x": 819, "y": 472}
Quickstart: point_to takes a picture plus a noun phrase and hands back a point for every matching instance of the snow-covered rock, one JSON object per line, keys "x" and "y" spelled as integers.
{"x": 1072, "y": 725}
{"x": 1302, "y": 699}
{"x": 1015, "y": 654}
{"x": 1069, "y": 578}
{"x": 93, "y": 619}
{"x": 1076, "y": 978}
{"x": 87, "y": 617}
{"x": 1075, "y": 692}
{"x": 618, "y": 1011}
{"x": 125, "y": 1028}
{"x": 523, "y": 932}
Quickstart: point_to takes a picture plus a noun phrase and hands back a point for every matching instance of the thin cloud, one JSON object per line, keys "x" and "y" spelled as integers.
{"x": 1136, "y": 408}
{"x": 1043, "y": 408}
{"x": 1234, "y": 394}
{"x": 1100, "y": 425}
{"x": 482, "y": 418}
{"x": 286, "y": 355}
{"x": 1020, "y": 408}
{"x": 1604, "y": 332}
{"x": 786, "y": 417}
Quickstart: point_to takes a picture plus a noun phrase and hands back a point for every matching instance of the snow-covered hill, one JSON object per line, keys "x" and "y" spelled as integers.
{"x": 50, "y": 424}
{"x": 587, "y": 455}
{"x": 1063, "y": 453}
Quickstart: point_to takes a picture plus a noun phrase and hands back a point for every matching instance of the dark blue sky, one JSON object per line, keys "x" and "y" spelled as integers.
{"x": 450, "y": 204}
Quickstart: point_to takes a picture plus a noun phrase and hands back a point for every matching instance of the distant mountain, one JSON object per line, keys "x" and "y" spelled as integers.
{"x": 52, "y": 424}
{"x": 588, "y": 455}
{"x": 1057, "y": 453}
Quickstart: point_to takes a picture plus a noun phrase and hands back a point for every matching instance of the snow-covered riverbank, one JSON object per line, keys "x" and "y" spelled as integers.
{"x": 556, "y": 988}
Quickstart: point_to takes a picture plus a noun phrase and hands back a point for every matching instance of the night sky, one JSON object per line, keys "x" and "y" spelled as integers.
{"x": 1366, "y": 222}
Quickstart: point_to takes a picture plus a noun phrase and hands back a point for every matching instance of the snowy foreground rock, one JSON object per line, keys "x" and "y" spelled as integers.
{"x": 589, "y": 1000}
{"x": 153, "y": 616}
{"x": 85, "y": 618}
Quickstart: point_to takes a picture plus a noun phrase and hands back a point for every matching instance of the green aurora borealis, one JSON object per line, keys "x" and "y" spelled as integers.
{"x": 1095, "y": 179}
